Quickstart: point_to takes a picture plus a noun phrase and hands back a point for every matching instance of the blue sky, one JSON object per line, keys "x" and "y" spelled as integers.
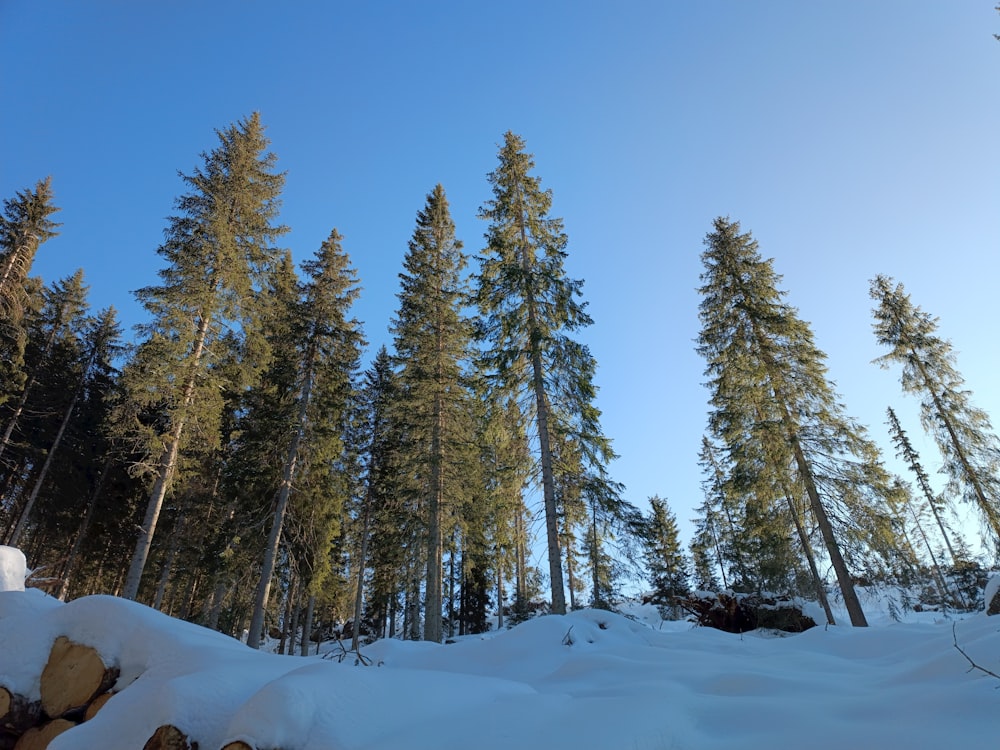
{"x": 851, "y": 138}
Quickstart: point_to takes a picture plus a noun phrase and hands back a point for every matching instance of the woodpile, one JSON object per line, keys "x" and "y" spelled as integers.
{"x": 74, "y": 684}
{"x": 741, "y": 613}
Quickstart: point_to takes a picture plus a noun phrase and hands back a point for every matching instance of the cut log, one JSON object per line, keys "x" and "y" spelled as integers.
{"x": 17, "y": 713}
{"x": 38, "y": 738}
{"x": 73, "y": 676}
{"x": 169, "y": 737}
{"x": 96, "y": 705}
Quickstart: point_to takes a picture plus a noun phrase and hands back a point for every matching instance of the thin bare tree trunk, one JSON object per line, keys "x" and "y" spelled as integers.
{"x": 281, "y": 505}
{"x": 164, "y": 473}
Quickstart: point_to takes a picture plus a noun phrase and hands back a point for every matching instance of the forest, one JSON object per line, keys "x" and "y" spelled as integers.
{"x": 244, "y": 462}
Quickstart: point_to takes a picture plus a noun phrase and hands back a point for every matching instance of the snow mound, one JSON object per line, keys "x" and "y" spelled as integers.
{"x": 587, "y": 679}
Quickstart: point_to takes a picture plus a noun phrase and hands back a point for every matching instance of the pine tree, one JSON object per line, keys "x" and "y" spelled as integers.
{"x": 218, "y": 251}
{"x": 529, "y": 307}
{"x": 432, "y": 340}
{"x": 962, "y": 431}
{"x": 666, "y": 563}
{"x": 776, "y": 412}
{"x": 24, "y": 225}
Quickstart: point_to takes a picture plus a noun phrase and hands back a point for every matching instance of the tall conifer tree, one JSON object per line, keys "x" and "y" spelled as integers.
{"x": 770, "y": 389}
{"x": 326, "y": 343}
{"x": 962, "y": 431}
{"x": 432, "y": 341}
{"x": 529, "y": 308}
{"x": 24, "y": 225}
{"x": 218, "y": 249}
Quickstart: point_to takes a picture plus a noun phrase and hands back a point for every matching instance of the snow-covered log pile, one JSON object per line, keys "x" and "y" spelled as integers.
{"x": 98, "y": 661}
{"x": 741, "y": 613}
{"x": 587, "y": 679}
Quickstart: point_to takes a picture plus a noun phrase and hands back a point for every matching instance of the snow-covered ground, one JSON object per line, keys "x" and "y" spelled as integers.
{"x": 590, "y": 679}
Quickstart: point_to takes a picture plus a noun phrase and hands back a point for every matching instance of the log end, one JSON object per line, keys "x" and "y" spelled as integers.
{"x": 72, "y": 677}
{"x": 38, "y": 738}
{"x": 169, "y": 737}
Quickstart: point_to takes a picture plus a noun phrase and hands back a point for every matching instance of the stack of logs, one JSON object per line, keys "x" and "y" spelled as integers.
{"x": 74, "y": 685}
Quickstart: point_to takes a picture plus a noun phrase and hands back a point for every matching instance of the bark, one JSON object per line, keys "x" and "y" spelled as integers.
{"x": 281, "y": 505}
{"x": 363, "y": 557}
{"x": 18, "y": 713}
{"x": 169, "y": 737}
{"x": 811, "y": 559}
{"x": 165, "y": 471}
{"x": 851, "y": 601}
{"x": 40, "y": 479}
{"x": 81, "y": 533}
{"x": 307, "y": 625}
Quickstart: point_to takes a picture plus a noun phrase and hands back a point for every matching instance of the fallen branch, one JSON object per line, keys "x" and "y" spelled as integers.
{"x": 973, "y": 664}
{"x": 359, "y": 658}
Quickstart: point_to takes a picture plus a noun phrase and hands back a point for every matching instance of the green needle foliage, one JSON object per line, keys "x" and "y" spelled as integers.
{"x": 219, "y": 249}
{"x": 529, "y": 307}
{"x": 24, "y": 225}
{"x": 432, "y": 342}
{"x": 962, "y": 431}
{"x": 775, "y": 411}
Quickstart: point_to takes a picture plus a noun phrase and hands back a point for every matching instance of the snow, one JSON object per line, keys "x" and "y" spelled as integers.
{"x": 13, "y": 569}
{"x": 634, "y": 683}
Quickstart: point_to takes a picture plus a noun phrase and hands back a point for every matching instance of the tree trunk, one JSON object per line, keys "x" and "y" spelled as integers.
{"x": 435, "y": 562}
{"x": 851, "y": 601}
{"x": 81, "y": 533}
{"x": 165, "y": 471}
{"x": 362, "y": 561}
{"x": 40, "y": 479}
{"x": 307, "y": 624}
{"x": 281, "y": 505}
{"x": 811, "y": 559}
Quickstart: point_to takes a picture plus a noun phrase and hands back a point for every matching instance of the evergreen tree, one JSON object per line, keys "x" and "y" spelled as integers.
{"x": 32, "y": 420}
{"x": 218, "y": 251}
{"x": 24, "y": 225}
{"x": 934, "y": 503}
{"x": 101, "y": 346}
{"x": 378, "y": 398}
{"x": 529, "y": 308}
{"x": 326, "y": 342}
{"x": 666, "y": 563}
{"x": 962, "y": 431}
{"x": 432, "y": 340}
{"x": 776, "y": 412}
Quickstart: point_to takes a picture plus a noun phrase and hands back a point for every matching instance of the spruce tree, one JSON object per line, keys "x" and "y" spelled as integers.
{"x": 934, "y": 503}
{"x": 326, "y": 343}
{"x": 218, "y": 250}
{"x": 666, "y": 564}
{"x": 101, "y": 344}
{"x": 529, "y": 308}
{"x": 776, "y": 412}
{"x": 432, "y": 343}
{"x": 963, "y": 432}
{"x": 24, "y": 225}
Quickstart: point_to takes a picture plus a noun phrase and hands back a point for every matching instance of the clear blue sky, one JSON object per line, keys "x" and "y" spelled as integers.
{"x": 852, "y": 138}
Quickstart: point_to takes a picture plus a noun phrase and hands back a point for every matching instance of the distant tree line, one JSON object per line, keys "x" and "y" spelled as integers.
{"x": 237, "y": 465}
